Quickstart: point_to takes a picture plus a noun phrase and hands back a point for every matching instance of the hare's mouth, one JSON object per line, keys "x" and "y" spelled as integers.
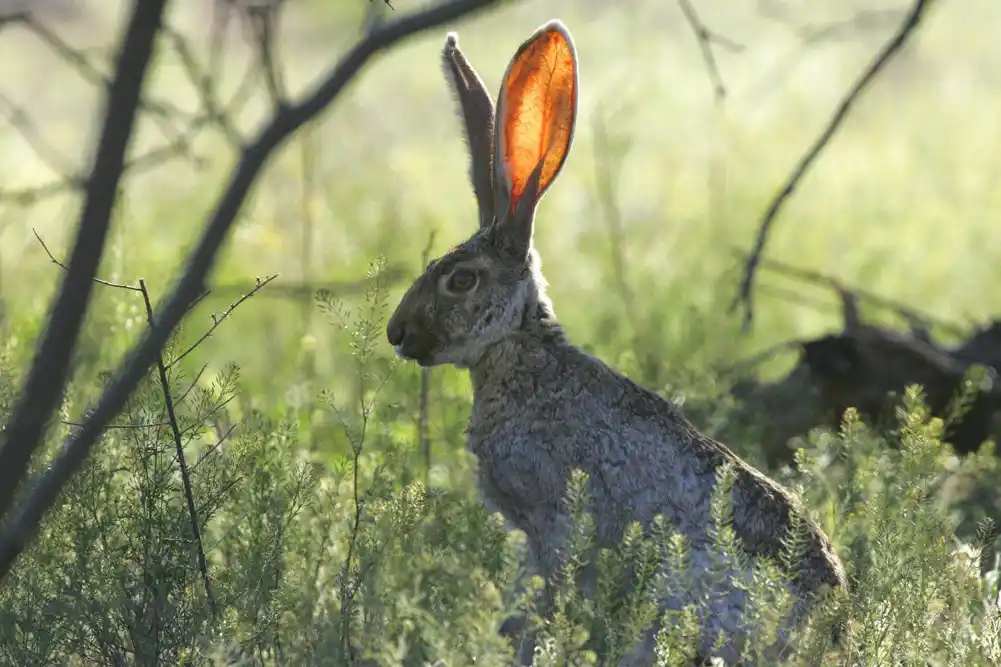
{"x": 410, "y": 355}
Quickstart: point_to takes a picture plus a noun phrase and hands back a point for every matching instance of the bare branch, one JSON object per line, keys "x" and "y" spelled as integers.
{"x": 222, "y": 438}
{"x": 30, "y": 195}
{"x": 22, "y": 123}
{"x": 43, "y": 389}
{"x": 864, "y": 20}
{"x": 217, "y": 320}
{"x": 707, "y": 39}
{"x": 192, "y": 283}
{"x": 180, "y": 146}
{"x": 301, "y": 290}
{"x": 13, "y": 17}
{"x": 745, "y": 294}
{"x": 121, "y": 427}
{"x": 221, "y": 12}
{"x": 163, "y": 112}
{"x": 65, "y": 268}
{"x": 168, "y": 401}
{"x": 262, "y": 19}
{"x": 902, "y": 309}
{"x": 205, "y": 86}
{"x": 192, "y": 384}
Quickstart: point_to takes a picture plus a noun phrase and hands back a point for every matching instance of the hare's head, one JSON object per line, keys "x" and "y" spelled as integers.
{"x": 490, "y": 286}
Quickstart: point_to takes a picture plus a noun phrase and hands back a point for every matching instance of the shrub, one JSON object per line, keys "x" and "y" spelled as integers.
{"x": 338, "y": 553}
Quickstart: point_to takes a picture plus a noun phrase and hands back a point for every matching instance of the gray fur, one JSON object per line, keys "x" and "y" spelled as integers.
{"x": 477, "y": 110}
{"x": 542, "y": 407}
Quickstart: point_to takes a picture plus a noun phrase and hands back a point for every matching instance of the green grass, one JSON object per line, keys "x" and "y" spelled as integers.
{"x": 903, "y": 202}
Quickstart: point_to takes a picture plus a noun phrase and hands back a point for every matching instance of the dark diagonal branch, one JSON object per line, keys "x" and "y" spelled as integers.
{"x": 907, "y": 28}
{"x": 31, "y": 416}
{"x": 49, "y": 371}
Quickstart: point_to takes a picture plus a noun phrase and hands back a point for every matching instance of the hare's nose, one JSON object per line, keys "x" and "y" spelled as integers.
{"x": 395, "y": 332}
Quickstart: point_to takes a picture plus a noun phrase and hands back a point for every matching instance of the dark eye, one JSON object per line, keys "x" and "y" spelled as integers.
{"x": 461, "y": 280}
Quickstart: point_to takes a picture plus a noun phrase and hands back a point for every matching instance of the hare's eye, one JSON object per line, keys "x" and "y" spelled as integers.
{"x": 461, "y": 280}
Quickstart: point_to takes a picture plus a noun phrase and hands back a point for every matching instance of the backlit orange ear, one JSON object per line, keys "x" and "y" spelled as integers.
{"x": 536, "y": 110}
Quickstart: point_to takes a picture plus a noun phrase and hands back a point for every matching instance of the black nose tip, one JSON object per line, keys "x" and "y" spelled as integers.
{"x": 395, "y": 333}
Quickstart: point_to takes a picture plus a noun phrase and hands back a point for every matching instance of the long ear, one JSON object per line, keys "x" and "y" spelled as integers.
{"x": 536, "y": 112}
{"x": 477, "y": 108}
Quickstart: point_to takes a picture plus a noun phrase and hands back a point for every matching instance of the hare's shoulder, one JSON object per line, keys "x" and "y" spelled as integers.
{"x": 763, "y": 508}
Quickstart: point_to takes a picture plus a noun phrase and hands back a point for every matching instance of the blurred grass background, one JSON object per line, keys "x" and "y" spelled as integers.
{"x": 902, "y": 202}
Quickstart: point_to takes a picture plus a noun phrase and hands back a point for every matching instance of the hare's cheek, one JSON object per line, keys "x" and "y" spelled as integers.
{"x": 476, "y": 307}
{"x": 480, "y": 321}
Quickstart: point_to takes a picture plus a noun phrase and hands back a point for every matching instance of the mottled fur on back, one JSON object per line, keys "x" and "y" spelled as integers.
{"x": 541, "y": 406}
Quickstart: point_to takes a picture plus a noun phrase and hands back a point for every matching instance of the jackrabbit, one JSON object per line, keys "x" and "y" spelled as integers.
{"x": 542, "y": 407}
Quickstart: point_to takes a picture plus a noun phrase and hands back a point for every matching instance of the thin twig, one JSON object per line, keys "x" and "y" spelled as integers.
{"x": 296, "y": 291}
{"x": 121, "y": 427}
{"x": 898, "y": 307}
{"x": 221, "y": 13}
{"x": 47, "y": 378}
{"x": 717, "y": 171}
{"x": 192, "y": 384}
{"x": 707, "y": 39}
{"x": 168, "y": 401}
{"x": 62, "y": 266}
{"x": 29, "y": 195}
{"x": 263, "y": 21}
{"x": 205, "y": 87}
{"x": 192, "y": 283}
{"x": 607, "y": 168}
{"x": 217, "y": 320}
{"x": 222, "y": 438}
{"x": 229, "y": 530}
{"x": 745, "y": 294}
{"x": 309, "y": 149}
{"x": 22, "y": 123}
{"x": 106, "y": 283}
{"x": 12, "y": 18}
{"x": 422, "y": 406}
{"x": 861, "y": 21}
{"x": 162, "y": 112}
{"x": 179, "y": 146}
{"x": 742, "y": 366}
{"x": 796, "y": 298}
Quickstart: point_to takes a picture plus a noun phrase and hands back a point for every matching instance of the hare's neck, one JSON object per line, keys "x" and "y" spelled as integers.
{"x": 523, "y": 352}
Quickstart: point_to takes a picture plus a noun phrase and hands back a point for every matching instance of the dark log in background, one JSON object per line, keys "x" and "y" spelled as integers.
{"x": 868, "y": 367}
